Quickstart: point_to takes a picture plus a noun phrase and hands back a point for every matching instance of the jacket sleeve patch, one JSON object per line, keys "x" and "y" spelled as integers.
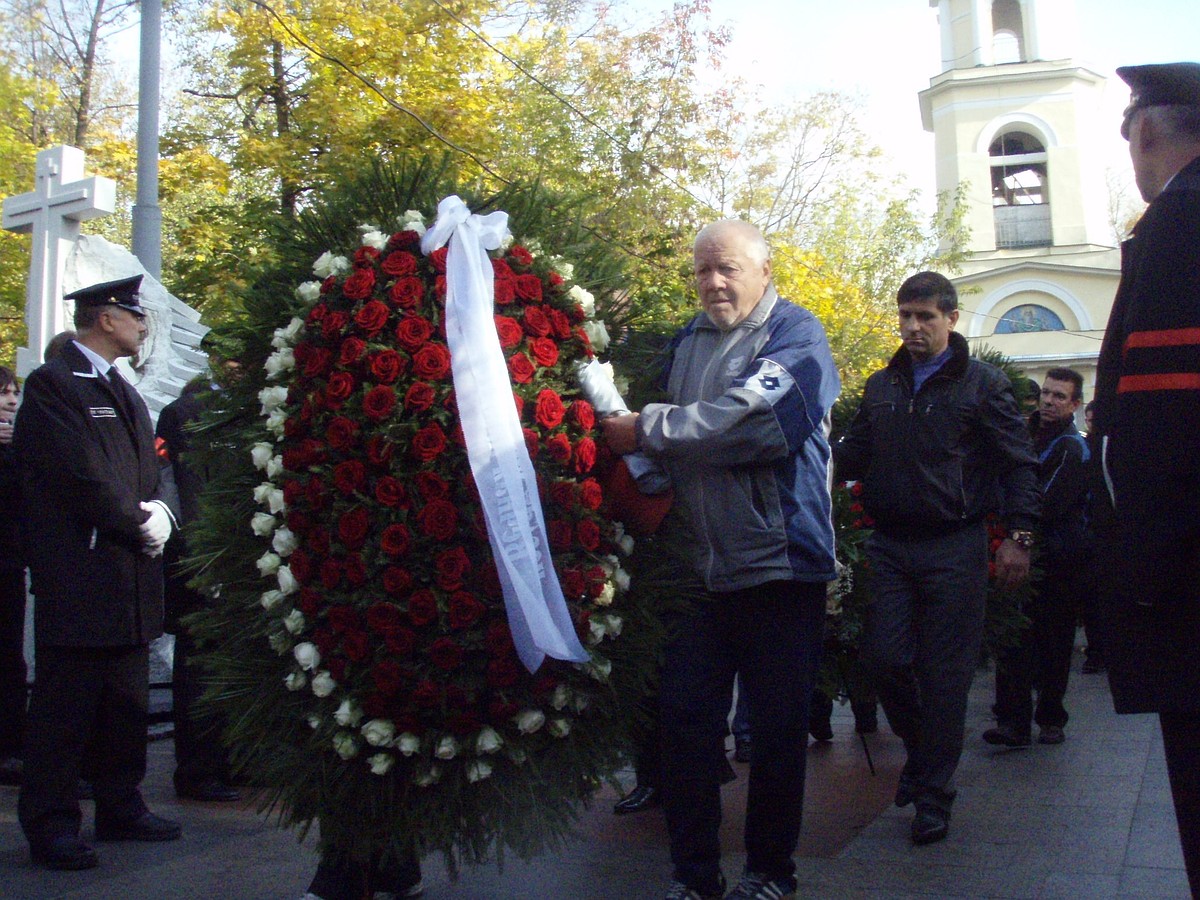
{"x": 102, "y": 412}
{"x": 770, "y": 381}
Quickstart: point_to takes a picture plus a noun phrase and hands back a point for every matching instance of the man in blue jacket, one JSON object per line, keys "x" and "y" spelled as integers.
{"x": 935, "y": 432}
{"x": 745, "y": 441}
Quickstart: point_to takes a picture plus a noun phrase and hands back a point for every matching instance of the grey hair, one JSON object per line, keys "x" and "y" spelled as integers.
{"x": 1176, "y": 120}
{"x": 757, "y": 247}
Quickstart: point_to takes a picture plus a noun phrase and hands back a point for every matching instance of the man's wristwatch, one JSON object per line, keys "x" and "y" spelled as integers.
{"x": 1022, "y": 538}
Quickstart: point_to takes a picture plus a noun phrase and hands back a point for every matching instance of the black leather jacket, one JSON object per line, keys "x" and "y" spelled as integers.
{"x": 943, "y": 458}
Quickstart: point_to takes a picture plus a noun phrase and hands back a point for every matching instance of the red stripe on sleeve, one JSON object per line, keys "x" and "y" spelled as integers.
{"x": 1167, "y": 381}
{"x": 1171, "y": 337}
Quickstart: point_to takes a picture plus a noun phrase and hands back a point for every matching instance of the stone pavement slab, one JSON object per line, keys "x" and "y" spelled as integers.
{"x": 1090, "y": 818}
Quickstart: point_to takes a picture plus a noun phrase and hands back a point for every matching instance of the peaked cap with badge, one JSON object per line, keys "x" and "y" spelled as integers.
{"x": 1160, "y": 84}
{"x": 123, "y": 293}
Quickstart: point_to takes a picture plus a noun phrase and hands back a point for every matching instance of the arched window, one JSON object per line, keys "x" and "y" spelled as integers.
{"x": 1007, "y": 31}
{"x": 1029, "y": 317}
{"x": 1020, "y": 196}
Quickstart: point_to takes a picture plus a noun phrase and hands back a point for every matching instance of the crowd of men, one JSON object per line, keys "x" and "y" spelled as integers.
{"x": 938, "y": 443}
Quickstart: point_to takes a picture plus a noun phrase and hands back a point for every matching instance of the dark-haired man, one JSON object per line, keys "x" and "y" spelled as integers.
{"x": 1147, "y": 407}
{"x": 1042, "y": 658}
{"x": 94, "y": 526}
{"x": 935, "y": 431}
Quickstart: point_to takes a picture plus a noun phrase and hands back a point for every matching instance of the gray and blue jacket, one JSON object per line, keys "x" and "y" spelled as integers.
{"x": 746, "y": 443}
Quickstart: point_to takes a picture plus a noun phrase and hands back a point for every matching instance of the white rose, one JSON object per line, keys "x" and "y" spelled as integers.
{"x": 516, "y": 754}
{"x": 597, "y": 333}
{"x": 279, "y": 362}
{"x": 327, "y": 264}
{"x": 599, "y": 667}
{"x": 584, "y": 299}
{"x": 615, "y": 624}
{"x": 271, "y": 599}
{"x": 345, "y": 745}
{"x": 296, "y": 681}
{"x": 274, "y": 467}
{"x": 379, "y": 732}
{"x": 380, "y": 763}
{"x": 529, "y": 720}
{"x": 489, "y": 740}
{"x": 285, "y": 541}
{"x": 307, "y": 655}
{"x": 261, "y": 454}
{"x": 287, "y": 581}
{"x": 580, "y": 702}
{"x": 314, "y": 721}
{"x": 373, "y": 237}
{"x": 280, "y": 642}
{"x": 621, "y": 578}
{"x": 275, "y": 422}
{"x": 272, "y": 398}
{"x": 294, "y": 621}
{"x": 432, "y": 775}
{"x": 447, "y": 748}
{"x": 268, "y": 564}
{"x": 408, "y": 743}
{"x": 286, "y": 336}
{"x": 563, "y": 268}
{"x": 562, "y": 695}
{"x": 606, "y": 594}
{"x": 308, "y": 292}
{"x": 412, "y": 221}
{"x": 596, "y": 631}
{"x": 262, "y": 524}
{"x": 323, "y": 684}
{"x": 262, "y": 493}
{"x": 559, "y": 728}
{"x": 348, "y": 713}
{"x": 478, "y": 769}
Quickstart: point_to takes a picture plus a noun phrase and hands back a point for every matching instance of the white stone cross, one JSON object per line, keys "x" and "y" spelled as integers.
{"x": 62, "y": 198}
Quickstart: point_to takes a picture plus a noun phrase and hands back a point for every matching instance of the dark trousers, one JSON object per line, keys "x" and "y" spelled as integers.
{"x": 341, "y": 880}
{"x": 770, "y": 636}
{"x": 13, "y": 690}
{"x": 1181, "y": 744}
{"x": 86, "y": 702}
{"x": 923, "y": 630}
{"x": 199, "y": 754}
{"x": 1042, "y": 659}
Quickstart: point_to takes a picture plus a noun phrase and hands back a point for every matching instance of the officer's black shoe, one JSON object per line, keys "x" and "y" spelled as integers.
{"x": 640, "y": 799}
{"x": 146, "y": 827}
{"x": 65, "y": 853}
{"x": 207, "y": 790}
{"x": 932, "y": 824}
{"x": 821, "y": 730}
{"x": 1004, "y": 735}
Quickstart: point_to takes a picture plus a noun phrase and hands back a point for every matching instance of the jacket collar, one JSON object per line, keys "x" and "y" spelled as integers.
{"x": 960, "y": 354}
{"x": 758, "y": 315}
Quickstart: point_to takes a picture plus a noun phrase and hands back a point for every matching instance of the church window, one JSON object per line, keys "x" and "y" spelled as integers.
{"x": 1020, "y": 198}
{"x": 1029, "y": 317}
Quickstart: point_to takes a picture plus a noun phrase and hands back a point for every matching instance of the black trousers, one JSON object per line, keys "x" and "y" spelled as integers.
{"x": 1181, "y": 744}
{"x": 87, "y": 703}
{"x": 13, "y": 690}
{"x": 199, "y": 754}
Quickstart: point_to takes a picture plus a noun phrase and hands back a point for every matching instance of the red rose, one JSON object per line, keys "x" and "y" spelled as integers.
{"x": 562, "y": 493}
{"x": 372, "y": 317}
{"x": 465, "y": 609}
{"x": 560, "y": 323}
{"x": 503, "y": 673}
{"x": 407, "y": 292}
{"x": 379, "y": 450}
{"x": 292, "y": 491}
{"x": 387, "y": 677}
{"x": 520, "y": 255}
{"x": 559, "y": 447}
{"x": 452, "y": 566}
{"x": 401, "y": 642}
{"x": 349, "y": 476}
{"x": 422, "y": 607}
{"x": 340, "y": 386}
{"x": 318, "y": 540}
{"x": 331, "y": 574}
{"x": 384, "y": 618}
{"x": 419, "y": 397}
{"x": 585, "y": 455}
{"x": 555, "y": 279}
{"x": 544, "y": 351}
{"x": 438, "y": 520}
{"x": 317, "y": 362}
{"x": 489, "y": 581}
{"x": 386, "y": 366}
{"x": 440, "y": 286}
{"x": 342, "y": 618}
{"x": 404, "y": 240}
{"x": 536, "y": 321}
{"x": 351, "y": 351}
{"x": 395, "y": 540}
{"x": 359, "y": 285}
{"x": 505, "y": 291}
{"x": 356, "y": 645}
{"x": 437, "y": 259}
{"x": 590, "y": 494}
{"x": 531, "y": 442}
{"x": 501, "y": 269}
{"x": 596, "y": 580}
{"x": 413, "y": 332}
{"x": 559, "y": 534}
{"x": 317, "y": 314}
{"x": 298, "y": 521}
{"x": 337, "y": 666}
{"x": 431, "y": 362}
{"x": 509, "y": 330}
{"x": 520, "y": 368}
{"x": 309, "y": 602}
{"x": 341, "y": 433}
{"x": 334, "y": 324}
{"x": 432, "y": 486}
{"x": 399, "y": 263}
{"x": 589, "y": 534}
{"x": 301, "y": 565}
{"x": 353, "y": 527}
{"x": 548, "y": 411}
{"x": 355, "y": 571}
{"x": 572, "y": 584}
{"x": 314, "y": 492}
{"x": 583, "y": 415}
{"x": 497, "y": 640}
{"x": 529, "y": 287}
{"x": 389, "y": 491}
{"x": 365, "y": 256}
{"x": 379, "y": 403}
{"x": 429, "y": 442}
{"x": 445, "y": 654}
{"x": 519, "y": 402}
{"x": 396, "y": 581}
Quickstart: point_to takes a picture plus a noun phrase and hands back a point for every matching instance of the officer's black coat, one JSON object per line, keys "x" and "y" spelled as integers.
{"x": 86, "y": 464}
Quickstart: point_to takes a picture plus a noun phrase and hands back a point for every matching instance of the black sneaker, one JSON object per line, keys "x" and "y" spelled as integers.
{"x": 1007, "y": 736}
{"x": 680, "y": 891}
{"x": 754, "y": 886}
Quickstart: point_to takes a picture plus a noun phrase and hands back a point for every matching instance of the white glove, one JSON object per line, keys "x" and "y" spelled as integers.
{"x": 156, "y": 529}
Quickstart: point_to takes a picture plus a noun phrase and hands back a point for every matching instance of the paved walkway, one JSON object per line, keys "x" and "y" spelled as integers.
{"x": 1088, "y": 819}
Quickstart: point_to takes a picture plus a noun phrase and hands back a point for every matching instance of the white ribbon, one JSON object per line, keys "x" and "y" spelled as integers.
{"x": 537, "y": 613}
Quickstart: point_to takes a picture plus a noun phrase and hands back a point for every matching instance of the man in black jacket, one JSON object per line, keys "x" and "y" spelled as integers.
{"x": 1042, "y": 659}
{"x": 95, "y": 523}
{"x": 935, "y": 431}
{"x": 1147, "y": 408}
